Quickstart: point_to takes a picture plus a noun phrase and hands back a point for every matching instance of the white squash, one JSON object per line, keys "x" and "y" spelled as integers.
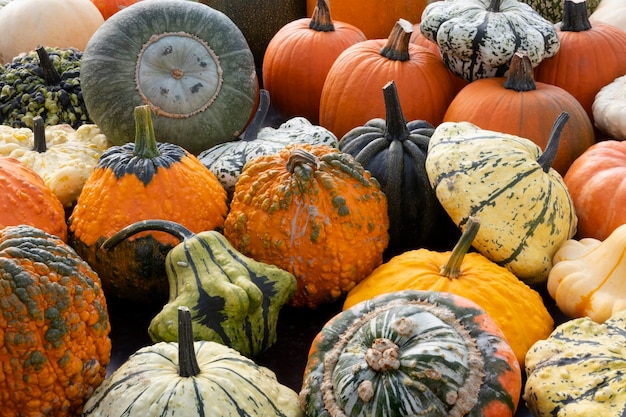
{"x": 609, "y": 109}
{"x": 612, "y": 12}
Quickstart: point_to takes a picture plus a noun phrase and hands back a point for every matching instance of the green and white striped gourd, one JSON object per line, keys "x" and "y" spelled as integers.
{"x": 411, "y": 353}
{"x": 189, "y": 379}
{"x": 478, "y": 38}
{"x": 505, "y": 181}
{"x": 578, "y": 371}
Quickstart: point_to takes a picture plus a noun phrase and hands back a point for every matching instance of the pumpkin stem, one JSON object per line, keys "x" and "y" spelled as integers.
{"x": 39, "y": 135}
{"x": 300, "y": 157}
{"x": 494, "y": 6}
{"x": 145, "y": 141}
{"x": 549, "y": 154}
{"x": 173, "y": 228}
{"x": 252, "y": 131}
{"x": 320, "y": 19}
{"x": 50, "y": 74}
{"x": 521, "y": 76}
{"x": 397, "y": 46}
{"x": 187, "y": 361}
{"x": 575, "y": 16}
{"x": 452, "y": 268}
{"x": 395, "y": 126}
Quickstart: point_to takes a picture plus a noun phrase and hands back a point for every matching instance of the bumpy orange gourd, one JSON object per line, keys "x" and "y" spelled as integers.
{"x": 26, "y": 199}
{"x": 471, "y": 275}
{"x": 312, "y": 211}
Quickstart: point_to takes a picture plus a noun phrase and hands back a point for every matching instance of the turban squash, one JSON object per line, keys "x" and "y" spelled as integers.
{"x": 139, "y": 181}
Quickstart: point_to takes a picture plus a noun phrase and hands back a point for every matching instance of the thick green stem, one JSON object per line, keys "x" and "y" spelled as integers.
{"x": 397, "y": 46}
{"x": 452, "y": 268}
{"x": 521, "y": 76}
{"x": 549, "y": 154}
{"x": 50, "y": 74}
{"x": 145, "y": 140}
{"x": 39, "y": 135}
{"x": 321, "y": 20}
{"x": 187, "y": 361}
{"x": 575, "y": 17}
{"x": 395, "y": 127}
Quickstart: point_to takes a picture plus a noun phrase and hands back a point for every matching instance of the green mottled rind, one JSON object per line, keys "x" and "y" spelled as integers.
{"x": 229, "y": 384}
{"x": 552, "y": 10}
{"x": 476, "y": 43}
{"x": 579, "y": 370}
{"x": 525, "y": 213}
{"x": 448, "y": 362}
{"x": 233, "y": 299}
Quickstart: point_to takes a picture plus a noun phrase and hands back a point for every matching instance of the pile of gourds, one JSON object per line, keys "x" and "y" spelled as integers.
{"x": 436, "y": 178}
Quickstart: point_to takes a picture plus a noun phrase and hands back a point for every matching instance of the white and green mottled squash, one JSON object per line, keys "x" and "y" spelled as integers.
{"x": 478, "y": 38}
{"x": 552, "y": 10}
{"x": 187, "y": 378}
{"x": 578, "y": 371}
{"x": 188, "y": 62}
{"x": 411, "y": 353}
{"x": 234, "y": 300}
{"x": 226, "y": 160}
{"x": 506, "y": 181}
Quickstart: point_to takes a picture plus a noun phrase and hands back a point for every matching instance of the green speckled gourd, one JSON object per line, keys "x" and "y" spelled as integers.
{"x": 507, "y": 182}
{"x": 411, "y": 353}
{"x": 578, "y": 371}
{"x": 552, "y": 10}
{"x": 234, "y": 299}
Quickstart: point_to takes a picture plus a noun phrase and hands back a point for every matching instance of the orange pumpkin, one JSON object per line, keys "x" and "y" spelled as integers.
{"x": 597, "y": 184}
{"x": 518, "y": 105}
{"x": 298, "y": 58}
{"x": 374, "y": 18}
{"x": 351, "y": 93}
{"x": 26, "y": 199}
{"x": 591, "y": 56}
{"x": 109, "y": 7}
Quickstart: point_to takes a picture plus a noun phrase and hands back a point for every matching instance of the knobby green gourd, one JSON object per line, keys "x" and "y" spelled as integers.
{"x": 234, "y": 299}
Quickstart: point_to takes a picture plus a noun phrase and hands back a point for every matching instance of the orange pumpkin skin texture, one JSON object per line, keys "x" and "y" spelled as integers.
{"x": 351, "y": 93}
{"x": 312, "y": 211}
{"x": 521, "y": 111}
{"x": 54, "y": 326}
{"x": 27, "y": 200}
{"x": 109, "y": 7}
{"x": 597, "y": 183}
{"x": 587, "y": 60}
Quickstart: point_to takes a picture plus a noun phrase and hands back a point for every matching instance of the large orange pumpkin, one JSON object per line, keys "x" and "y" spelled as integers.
{"x": 298, "y": 58}
{"x": 518, "y": 105}
{"x": 351, "y": 94}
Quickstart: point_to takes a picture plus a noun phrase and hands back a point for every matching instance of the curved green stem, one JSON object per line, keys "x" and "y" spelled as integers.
{"x": 173, "y": 228}
{"x": 452, "y": 268}
{"x": 145, "y": 140}
{"x": 549, "y": 154}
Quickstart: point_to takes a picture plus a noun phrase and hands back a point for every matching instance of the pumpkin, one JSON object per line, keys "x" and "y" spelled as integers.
{"x": 524, "y": 206}
{"x": 580, "y": 42}
{"x": 298, "y": 58}
{"x": 187, "y": 378}
{"x": 314, "y": 212}
{"x": 109, "y": 7}
{"x": 62, "y": 156}
{"x": 518, "y": 105}
{"x": 478, "y": 38}
{"x": 471, "y": 275}
{"x": 235, "y": 300}
{"x": 394, "y": 152}
{"x": 45, "y": 83}
{"x": 599, "y": 169}
{"x": 375, "y": 19}
{"x": 55, "y": 23}
{"x": 552, "y": 10}
{"x": 139, "y": 181}
{"x": 608, "y": 109}
{"x": 578, "y": 370}
{"x": 188, "y": 62}
{"x": 411, "y": 353}
{"x": 55, "y": 326}
{"x": 26, "y": 199}
{"x": 586, "y": 278}
{"x": 351, "y": 92}
{"x": 612, "y": 12}
{"x": 226, "y": 160}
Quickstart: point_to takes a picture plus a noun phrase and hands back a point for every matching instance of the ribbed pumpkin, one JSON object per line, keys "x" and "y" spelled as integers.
{"x": 597, "y": 184}
{"x": 55, "y": 326}
{"x": 26, "y": 199}
{"x": 411, "y": 353}
{"x": 471, "y": 275}
{"x": 518, "y": 105}
{"x": 138, "y": 181}
{"x": 394, "y": 152}
{"x": 351, "y": 92}
{"x": 591, "y": 55}
{"x": 312, "y": 211}
{"x": 298, "y": 58}
{"x": 507, "y": 182}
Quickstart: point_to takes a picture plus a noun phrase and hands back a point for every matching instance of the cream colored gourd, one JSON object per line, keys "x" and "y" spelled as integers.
{"x": 612, "y": 12}
{"x": 525, "y": 208}
{"x": 609, "y": 108}
{"x": 587, "y": 279}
